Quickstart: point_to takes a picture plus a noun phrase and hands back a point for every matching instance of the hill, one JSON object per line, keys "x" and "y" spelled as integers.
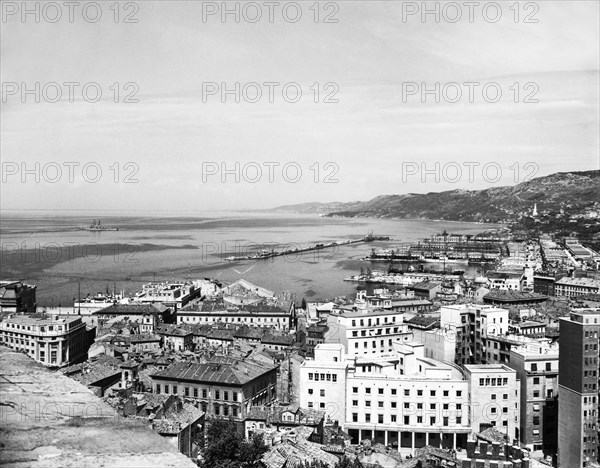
{"x": 575, "y": 193}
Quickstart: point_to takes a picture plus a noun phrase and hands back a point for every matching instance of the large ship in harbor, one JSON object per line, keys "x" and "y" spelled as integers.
{"x": 96, "y": 226}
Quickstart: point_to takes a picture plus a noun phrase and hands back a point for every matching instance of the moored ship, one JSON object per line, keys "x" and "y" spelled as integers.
{"x": 96, "y": 226}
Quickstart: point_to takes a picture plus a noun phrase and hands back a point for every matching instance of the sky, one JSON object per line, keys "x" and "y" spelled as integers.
{"x": 173, "y": 141}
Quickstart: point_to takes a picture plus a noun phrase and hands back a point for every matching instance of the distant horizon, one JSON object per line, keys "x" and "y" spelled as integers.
{"x": 265, "y": 210}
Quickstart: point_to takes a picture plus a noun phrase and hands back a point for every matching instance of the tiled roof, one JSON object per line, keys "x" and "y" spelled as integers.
{"x": 132, "y": 309}
{"x": 239, "y": 373}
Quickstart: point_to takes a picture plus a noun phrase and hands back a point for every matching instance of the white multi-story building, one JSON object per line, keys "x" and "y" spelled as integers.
{"x": 53, "y": 342}
{"x": 494, "y": 394}
{"x": 404, "y": 399}
{"x": 367, "y": 331}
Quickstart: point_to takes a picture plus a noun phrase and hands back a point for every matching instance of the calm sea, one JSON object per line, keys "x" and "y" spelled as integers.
{"x": 48, "y": 250}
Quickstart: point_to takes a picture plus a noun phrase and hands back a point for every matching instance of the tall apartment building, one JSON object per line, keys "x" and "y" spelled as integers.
{"x": 536, "y": 363}
{"x": 367, "y": 331}
{"x": 578, "y": 389}
{"x": 472, "y": 324}
{"x": 403, "y": 399}
{"x": 52, "y": 342}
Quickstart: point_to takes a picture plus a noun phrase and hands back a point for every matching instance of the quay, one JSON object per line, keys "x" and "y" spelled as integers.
{"x": 263, "y": 254}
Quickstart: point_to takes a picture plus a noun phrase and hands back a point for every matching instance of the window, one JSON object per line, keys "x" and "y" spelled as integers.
{"x": 354, "y": 417}
{"x": 322, "y": 392}
{"x": 419, "y": 392}
{"x": 380, "y": 390}
{"x": 406, "y": 392}
{"x": 393, "y": 391}
{"x": 367, "y": 418}
{"x": 380, "y": 404}
{"x": 310, "y": 391}
{"x": 354, "y": 402}
{"x": 458, "y": 393}
{"x": 174, "y": 389}
{"x": 536, "y": 381}
{"x": 432, "y": 420}
{"x": 157, "y": 388}
{"x": 217, "y": 395}
{"x": 204, "y": 393}
{"x": 368, "y": 403}
{"x": 367, "y": 390}
{"x": 446, "y": 393}
{"x": 186, "y": 391}
{"x": 407, "y": 420}
{"x": 432, "y": 393}
{"x": 380, "y": 418}
{"x": 354, "y": 389}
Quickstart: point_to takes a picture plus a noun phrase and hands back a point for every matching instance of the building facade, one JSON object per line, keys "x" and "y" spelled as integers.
{"x": 220, "y": 389}
{"x": 536, "y": 364}
{"x": 407, "y": 401}
{"x": 578, "y": 389}
{"x": 52, "y": 342}
{"x": 368, "y": 331}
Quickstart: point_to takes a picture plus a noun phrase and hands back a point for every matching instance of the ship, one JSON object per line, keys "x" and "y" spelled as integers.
{"x": 96, "y": 226}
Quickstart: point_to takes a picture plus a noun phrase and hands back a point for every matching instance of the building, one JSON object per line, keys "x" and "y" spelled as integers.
{"x": 511, "y": 298}
{"x": 367, "y": 331}
{"x": 176, "y": 338}
{"x": 494, "y": 394}
{"x": 225, "y": 389}
{"x": 53, "y": 342}
{"x": 400, "y": 399}
{"x": 543, "y": 283}
{"x": 578, "y": 389}
{"x": 573, "y": 287}
{"x": 270, "y": 312}
{"x": 506, "y": 280}
{"x": 536, "y": 364}
{"x": 284, "y": 417}
{"x": 427, "y": 289}
{"x": 16, "y": 296}
{"x": 472, "y": 325}
{"x": 148, "y": 315}
{"x": 171, "y": 294}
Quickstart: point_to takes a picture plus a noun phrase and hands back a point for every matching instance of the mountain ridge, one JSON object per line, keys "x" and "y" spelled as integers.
{"x": 576, "y": 192}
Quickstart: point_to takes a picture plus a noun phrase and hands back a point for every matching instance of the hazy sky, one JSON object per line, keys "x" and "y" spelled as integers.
{"x": 374, "y": 141}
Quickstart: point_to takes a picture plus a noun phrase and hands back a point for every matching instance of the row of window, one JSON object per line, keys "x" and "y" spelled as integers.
{"x": 407, "y": 392}
{"x": 379, "y": 332}
{"x": 371, "y": 322}
{"x": 493, "y": 382}
{"x": 408, "y": 420}
{"x": 197, "y": 393}
{"x": 325, "y": 377}
{"x": 409, "y": 406}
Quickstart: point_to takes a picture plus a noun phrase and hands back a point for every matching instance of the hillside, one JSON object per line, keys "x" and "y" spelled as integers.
{"x": 573, "y": 192}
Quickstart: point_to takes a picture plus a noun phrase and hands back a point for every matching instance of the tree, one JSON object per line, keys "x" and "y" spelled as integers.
{"x": 346, "y": 462}
{"x": 303, "y": 306}
{"x": 226, "y": 448}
